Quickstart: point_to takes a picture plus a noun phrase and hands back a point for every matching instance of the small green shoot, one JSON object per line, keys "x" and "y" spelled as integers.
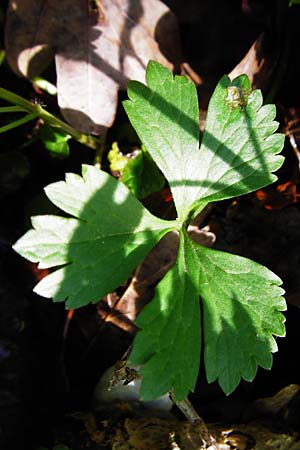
{"x": 137, "y": 171}
{"x": 45, "y": 85}
{"x": 55, "y": 141}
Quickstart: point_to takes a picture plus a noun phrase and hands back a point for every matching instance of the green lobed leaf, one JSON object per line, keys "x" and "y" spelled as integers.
{"x": 168, "y": 345}
{"x": 98, "y": 248}
{"x": 239, "y": 151}
{"x": 242, "y": 301}
{"x": 165, "y": 116}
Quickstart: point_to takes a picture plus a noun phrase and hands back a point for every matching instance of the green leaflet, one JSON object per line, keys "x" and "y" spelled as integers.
{"x": 168, "y": 347}
{"x": 165, "y": 116}
{"x": 238, "y": 151}
{"x": 109, "y": 235}
{"x": 241, "y": 301}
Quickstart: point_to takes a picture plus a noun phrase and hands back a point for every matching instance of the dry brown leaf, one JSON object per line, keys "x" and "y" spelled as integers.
{"x": 265, "y": 61}
{"x": 259, "y": 63}
{"x": 97, "y": 49}
{"x": 29, "y": 36}
{"x": 283, "y": 406}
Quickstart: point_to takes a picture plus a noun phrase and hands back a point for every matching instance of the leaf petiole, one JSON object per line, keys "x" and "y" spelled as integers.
{"x": 19, "y": 122}
{"x": 85, "y": 139}
{"x": 9, "y": 109}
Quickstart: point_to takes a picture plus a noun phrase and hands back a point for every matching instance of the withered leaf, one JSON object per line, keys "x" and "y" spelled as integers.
{"x": 97, "y": 46}
{"x": 265, "y": 58}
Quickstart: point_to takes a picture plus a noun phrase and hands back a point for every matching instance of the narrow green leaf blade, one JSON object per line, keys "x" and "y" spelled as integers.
{"x": 168, "y": 345}
{"x": 242, "y": 301}
{"x": 165, "y": 116}
{"x": 239, "y": 151}
{"x": 109, "y": 234}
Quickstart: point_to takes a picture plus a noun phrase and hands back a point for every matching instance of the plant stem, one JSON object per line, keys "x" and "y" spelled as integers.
{"x": 193, "y": 417}
{"x": 17, "y": 123}
{"x": 85, "y": 139}
{"x": 9, "y": 109}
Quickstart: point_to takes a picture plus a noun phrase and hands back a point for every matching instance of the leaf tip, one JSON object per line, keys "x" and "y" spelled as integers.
{"x": 156, "y": 72}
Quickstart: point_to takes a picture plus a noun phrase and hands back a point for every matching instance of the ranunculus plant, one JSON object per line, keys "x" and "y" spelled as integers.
{"x": 109, "y": 232}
